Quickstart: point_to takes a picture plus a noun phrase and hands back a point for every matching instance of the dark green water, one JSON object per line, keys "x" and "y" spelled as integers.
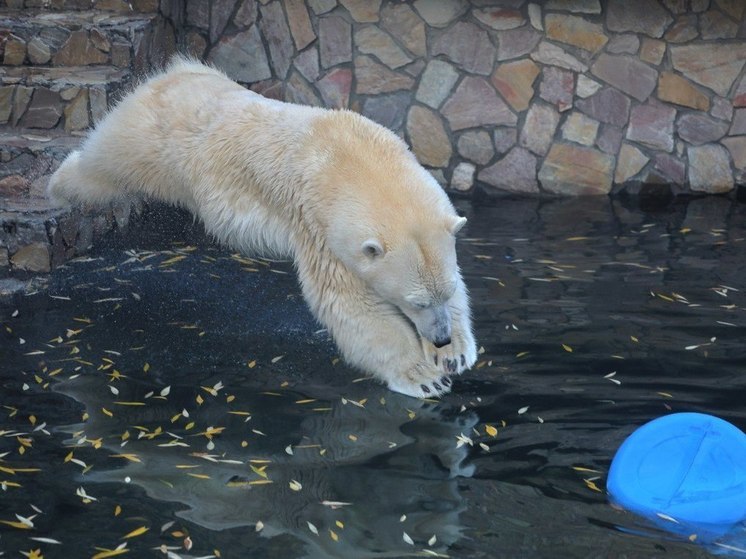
{"x": 191, "y": 394}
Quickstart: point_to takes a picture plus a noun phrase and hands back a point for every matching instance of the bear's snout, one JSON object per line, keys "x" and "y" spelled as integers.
{"x": 442, "y": 343}
{"x": 438, "y": 326}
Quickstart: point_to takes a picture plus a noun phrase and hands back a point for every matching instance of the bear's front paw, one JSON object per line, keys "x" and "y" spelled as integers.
{"x": 454, "y": 358}
{"x": 420, "y": 381}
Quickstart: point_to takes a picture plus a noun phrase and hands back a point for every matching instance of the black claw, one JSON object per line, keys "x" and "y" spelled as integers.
{"x": 452, "y": 366}
{"x": 463, "y": 360}
{"x": 436, "y": 359}
{"x": 437, "y": 386}
{"x": 425, "y": 389}
{"x": 446, "y": 381}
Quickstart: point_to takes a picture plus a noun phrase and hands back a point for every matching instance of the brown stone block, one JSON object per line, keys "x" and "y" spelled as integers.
{"x": 363, "y": 11}
{"x": 709, "y": 169}
{"x": 500, "y": 19}
{"x": 713, "y": 65}
{"x": 335, "y": 88}
{"x": 468, "y": 46}
{"x": 6, "y": 103}
{"x": 14, "y": 185}
{"x": 429, "y": 140}
{"x": 576, "y": 31}
{"x": 673, "y": 88}
{"x": 78, "y": 50}
{"x": 515, "y": 81}
{"x": 631, "y": 161}
{"x": 372, "y": 40}
{"x": 76, "y": 112}
{"x": 516, "y": 172}
{"x": 652, "y": 125}
{"x": 44, "y": 110}
{"x": 300, "y": 23}
{"x": 335, "y": 41}
{"x": 404, "y": 24}
{"x": 652, "y": 50}
{"x": 737, "y": 148}
{"x": 557, "y": 87}
{"x": 475, "y": 104}
{"x": 576, "y": 170}
{"x": 539, "y": 128}
{"x": 626, "y": 73}
{"x": 373, "y": 78}
{"x": 34, "y": 257}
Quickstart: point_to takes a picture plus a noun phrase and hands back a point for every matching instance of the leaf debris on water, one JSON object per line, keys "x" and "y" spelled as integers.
{"x": 136, "y": 532}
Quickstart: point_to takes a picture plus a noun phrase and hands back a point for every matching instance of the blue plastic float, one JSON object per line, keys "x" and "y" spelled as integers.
{"x": 686, "y": 472}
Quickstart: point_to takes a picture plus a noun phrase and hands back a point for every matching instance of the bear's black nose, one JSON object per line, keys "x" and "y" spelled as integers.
{"x": 441, "y": 343}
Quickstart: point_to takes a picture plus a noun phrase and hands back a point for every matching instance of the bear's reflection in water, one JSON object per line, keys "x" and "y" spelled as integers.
{"x": 360, "y": 475}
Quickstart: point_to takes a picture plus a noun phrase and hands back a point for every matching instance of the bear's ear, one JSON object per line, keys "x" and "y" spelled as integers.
{"x": 455, "y": 224}
{"x": 372, "y": 248}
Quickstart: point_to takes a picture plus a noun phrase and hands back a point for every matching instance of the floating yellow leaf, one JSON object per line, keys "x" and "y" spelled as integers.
{"x": 146, "y": 367}
{"x": 583, "y": 469}
{"x": 107, "y": 412}
{"x": 567, "y": 348}
{"x": 334, "y": 535}
{"x": 136, "y": 532}
{"x": 259, "y": 471}
{"x": 491, "y": 431}
{"x": 198, "y": 476}
{"x": 105, "y": 553}
{"x": 117, "y": 510}
{"x": 16, "y": 524}
{"x": 172, "y": 260}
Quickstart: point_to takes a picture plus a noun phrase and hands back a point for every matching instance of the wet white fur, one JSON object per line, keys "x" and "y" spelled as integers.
{"x": 274, "y": 178}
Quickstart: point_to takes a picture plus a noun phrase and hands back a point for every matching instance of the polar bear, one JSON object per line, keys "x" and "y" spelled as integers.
{"x": 371, "y": 232}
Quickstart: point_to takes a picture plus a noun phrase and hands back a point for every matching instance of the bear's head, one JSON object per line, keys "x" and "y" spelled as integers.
{"x": 387, "y": 219}
{"x": 408, "y": 258}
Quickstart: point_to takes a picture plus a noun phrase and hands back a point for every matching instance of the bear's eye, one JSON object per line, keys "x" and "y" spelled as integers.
{"x": 420, "y": 305}
{"x": 372, "y": 248}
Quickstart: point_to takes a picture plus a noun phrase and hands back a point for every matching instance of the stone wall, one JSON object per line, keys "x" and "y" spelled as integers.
{"x": 511, "y": 96}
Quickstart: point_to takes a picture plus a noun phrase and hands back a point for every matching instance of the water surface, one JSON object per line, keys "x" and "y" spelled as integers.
{"x": 165, "y": 395}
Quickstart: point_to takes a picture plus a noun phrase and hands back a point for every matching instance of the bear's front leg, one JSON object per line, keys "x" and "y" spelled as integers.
{"x": 461, "y": 354}
{"x": 385, "y": 344}
{"x": 374, "y": 336}
{"x": 371, "y": 333}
